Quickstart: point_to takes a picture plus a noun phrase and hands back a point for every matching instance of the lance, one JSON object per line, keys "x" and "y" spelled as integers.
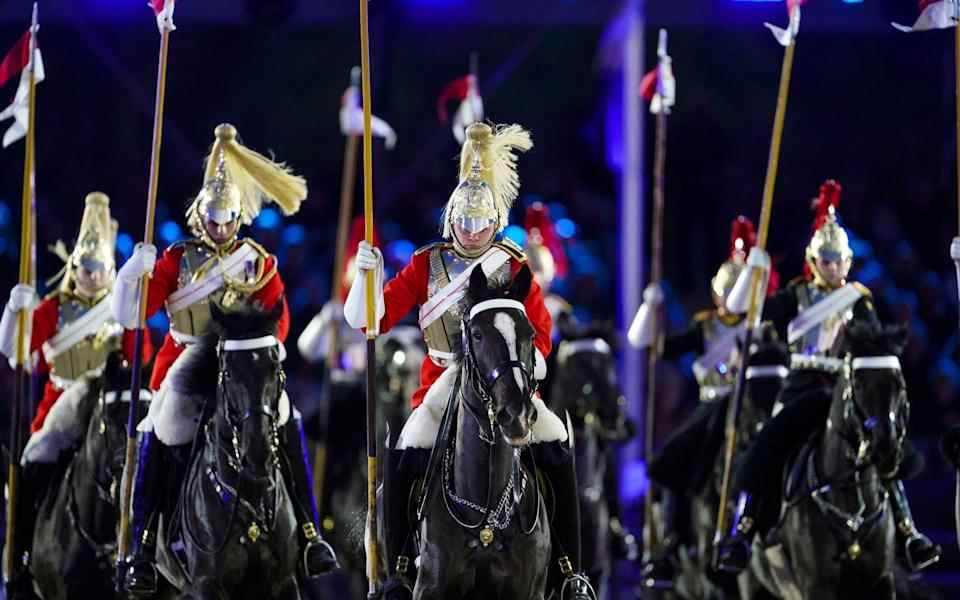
{"x": 372, "y": 324}
{"x": 26, "y": 229}
{"x": 758, "y": 282}
{"x": 347, "y": 183}
{"x": 164, "y": 13}
{"x": 660, "y": 105}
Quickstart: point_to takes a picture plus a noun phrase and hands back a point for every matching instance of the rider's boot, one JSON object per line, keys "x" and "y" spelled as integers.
{"x": 919, "y": 550}
{"x": 401, "y": 470}
{"x": 657, "y": 570}
{"x": 317, "y": 557}
{"x": 732, "y": 553}
{"x": 138, "y": 572}
{"x": 555, "y": 460}
{"x": 33, "y": 482}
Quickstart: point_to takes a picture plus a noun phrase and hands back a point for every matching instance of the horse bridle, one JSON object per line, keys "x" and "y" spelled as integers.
{"x": 262, "y": 408}
{"x": 483, "y": 382}
{"x": 853, "y": 412}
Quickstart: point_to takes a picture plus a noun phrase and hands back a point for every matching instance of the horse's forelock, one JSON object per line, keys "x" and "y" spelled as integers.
{"x": 245, "y": 324}
{"x": 871, "y": 339}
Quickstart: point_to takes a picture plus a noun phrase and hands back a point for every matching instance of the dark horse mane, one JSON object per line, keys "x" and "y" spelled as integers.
{"x": 768, "y": 348}
{"x": 195, "y": 370}
{"x": 873, "y": 339}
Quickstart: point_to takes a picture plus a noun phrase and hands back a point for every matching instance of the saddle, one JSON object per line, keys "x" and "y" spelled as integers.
{"x": 794, "y": 485}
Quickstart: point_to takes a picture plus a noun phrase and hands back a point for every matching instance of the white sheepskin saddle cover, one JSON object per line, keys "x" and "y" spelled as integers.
{"x": 423, "y": 424}
{"x": 61, "y": 429}
{"x": 175, "y": 414}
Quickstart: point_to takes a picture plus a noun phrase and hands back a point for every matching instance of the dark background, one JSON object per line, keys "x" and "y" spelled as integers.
{"x": 869, "y": 106}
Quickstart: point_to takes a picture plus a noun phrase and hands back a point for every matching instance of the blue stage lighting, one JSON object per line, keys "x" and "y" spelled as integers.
{"x": 125, "y": 245}
{"x": 170, "y": 232}
{"x": 269, "y": 219}
{"x": 516, "y": 234}
{"x": 4, "y": 214}
{"x": 566, "y": 228}
{"x": 294, "y": 234}
{"x": 400, "y": 251}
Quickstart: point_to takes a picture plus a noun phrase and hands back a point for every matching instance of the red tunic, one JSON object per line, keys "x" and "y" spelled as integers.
{"x": 165, "y": 281}
{"x": 45, "y": 318}
{"x": 409, "y": 289}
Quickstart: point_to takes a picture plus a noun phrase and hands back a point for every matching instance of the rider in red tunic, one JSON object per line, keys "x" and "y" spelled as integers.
{"x": 215, "y": 268}
{"x": 435, "y": 280}
{"x": 72, "y": 335}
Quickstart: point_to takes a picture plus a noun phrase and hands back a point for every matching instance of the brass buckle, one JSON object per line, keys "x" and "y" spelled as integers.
{"x": 565, "y": 567}
{"x": 403, "y": 563}
{"x": 309, "y": 531}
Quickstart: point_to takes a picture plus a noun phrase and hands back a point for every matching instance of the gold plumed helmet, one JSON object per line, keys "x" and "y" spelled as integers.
{"x": 96, "y": 242}
{"x": 488, "y": 178}
{"x": 830, "y": 241}
{"x": 742, "y": 238}
{"x": 237, "y": 181}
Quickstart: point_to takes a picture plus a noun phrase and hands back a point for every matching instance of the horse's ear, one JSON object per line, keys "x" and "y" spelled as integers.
{"x": 218, "y": 317}
{"x": 478, "y": 285}
{"x": 520, "y": 286}
{"x": 899, "y": 335}
{"x": 275, "y": 314}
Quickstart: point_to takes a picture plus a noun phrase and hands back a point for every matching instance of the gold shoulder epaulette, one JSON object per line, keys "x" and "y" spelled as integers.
{"x": 864, "y": 290}
{"x": 511, "y": 248}
{"x": 256, "y": 246}
{"x": 430, "y": 247}
{"x": 703, "y": 315}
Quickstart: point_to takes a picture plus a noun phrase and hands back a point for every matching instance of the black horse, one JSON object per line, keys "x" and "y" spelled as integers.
{"x": 234, "y": 531}
{"x": 836, "y": 537}
{"x": 399, "y": 354}
{"x": 485, "y": 531}
{"x": 75, "y": 539}
{"x": 583, "y": 382}
{"x": 696, "y": 580}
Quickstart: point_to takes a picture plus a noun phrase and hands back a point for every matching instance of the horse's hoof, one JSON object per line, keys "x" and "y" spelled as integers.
{"x": 318, "y": 559}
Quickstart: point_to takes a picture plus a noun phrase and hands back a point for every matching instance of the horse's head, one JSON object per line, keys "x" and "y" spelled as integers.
{"x": 586, "y": 381}
{"x": 769, "y": 365}
{"x": 250, "y": 383}
{"x": 499, "y": 355}
{"x": 874, "y": 393}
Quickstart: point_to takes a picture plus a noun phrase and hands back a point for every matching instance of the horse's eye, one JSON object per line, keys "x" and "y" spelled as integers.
{"x": 476, "y": 336}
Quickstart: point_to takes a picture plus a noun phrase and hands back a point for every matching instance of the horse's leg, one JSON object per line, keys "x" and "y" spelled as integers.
{"x": 885, "y": 588}
{"x": 288, "y": 590}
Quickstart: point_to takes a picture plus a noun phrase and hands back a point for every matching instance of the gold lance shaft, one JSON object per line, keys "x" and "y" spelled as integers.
{"x": 372, "y": 324}
{"x": 126, "y": 490}
{"x": 26, "y": 228}
{"x": 756, "y": 281}
{"x": 656, "y": 347}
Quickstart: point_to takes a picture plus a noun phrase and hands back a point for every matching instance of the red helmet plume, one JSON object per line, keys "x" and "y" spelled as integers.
{"x": 827, "y": 203}
{"x": 540, "y": 230}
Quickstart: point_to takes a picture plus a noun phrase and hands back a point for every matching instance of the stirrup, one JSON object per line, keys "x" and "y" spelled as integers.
{"x": 930, "y": 552}
{"x": 323, "y": 554}
{"x": 140, "y": 578}
{"x": 577, "y": 587}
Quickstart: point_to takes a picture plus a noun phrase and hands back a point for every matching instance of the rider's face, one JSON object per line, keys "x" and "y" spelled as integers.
{"x": 89, "y": 282}
{"x": 833, "y": 271}
{"x": 221, "y": 234}
{"x": 474, "y": 241}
